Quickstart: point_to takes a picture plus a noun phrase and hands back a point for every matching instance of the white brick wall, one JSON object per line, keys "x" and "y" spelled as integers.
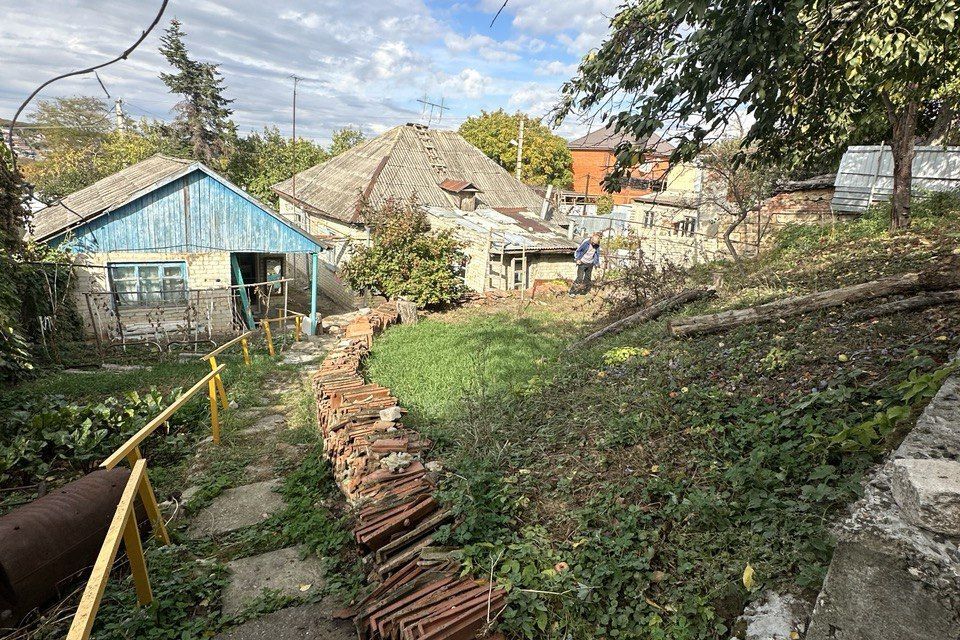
{"x": 209, "y": 273}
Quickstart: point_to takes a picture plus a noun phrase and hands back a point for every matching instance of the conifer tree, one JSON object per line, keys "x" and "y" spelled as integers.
{"x": 203, "y": 123}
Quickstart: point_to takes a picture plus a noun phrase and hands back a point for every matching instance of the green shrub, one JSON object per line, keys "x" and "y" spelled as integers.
{"x": 57, "y": 440}
{"x": 406, "y": 258}
{"x": 604, "y": 204}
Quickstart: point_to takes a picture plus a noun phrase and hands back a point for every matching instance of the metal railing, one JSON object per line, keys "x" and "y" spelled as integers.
{"x": 123, "y": 527}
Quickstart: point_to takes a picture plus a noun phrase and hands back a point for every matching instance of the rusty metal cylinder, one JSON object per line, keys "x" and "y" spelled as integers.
{"x": 49, "y": 543}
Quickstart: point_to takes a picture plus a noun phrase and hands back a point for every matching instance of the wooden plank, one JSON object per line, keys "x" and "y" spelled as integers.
{"x": 127, "y": 447}
{"x": 226, "y": 345}
{"x": 93, "y": 592}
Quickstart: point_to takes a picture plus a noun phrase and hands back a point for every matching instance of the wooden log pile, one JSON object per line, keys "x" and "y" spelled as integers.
{"x": 377, "y": 462}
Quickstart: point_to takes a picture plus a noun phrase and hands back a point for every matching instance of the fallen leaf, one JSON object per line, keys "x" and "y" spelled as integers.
{"x": 305, "y": 587}
{"x": 748, "y": 574}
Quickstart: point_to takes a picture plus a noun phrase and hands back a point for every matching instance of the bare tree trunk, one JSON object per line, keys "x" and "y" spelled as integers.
{"x": 904, "y": 122}
{"x": 796, "y": 305}
{"x": 729, "y": 232}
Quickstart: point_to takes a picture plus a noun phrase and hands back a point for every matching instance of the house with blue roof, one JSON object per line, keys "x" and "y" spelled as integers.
{"x": 169, "y": 250}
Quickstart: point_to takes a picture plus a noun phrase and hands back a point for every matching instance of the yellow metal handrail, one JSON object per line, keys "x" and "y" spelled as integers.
{"x": 131, "y": 446}
{"x": 123, "y": 526}
{"x": 212, "y": 359}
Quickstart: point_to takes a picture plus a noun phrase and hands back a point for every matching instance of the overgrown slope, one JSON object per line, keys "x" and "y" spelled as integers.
{"x": 623, "y": 490}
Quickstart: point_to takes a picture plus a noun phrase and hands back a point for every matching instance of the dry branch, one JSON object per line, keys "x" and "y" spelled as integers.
{"x": 891, "y": 285}
{"x": 921, "y": 301}
{"x": 649, "y": 313}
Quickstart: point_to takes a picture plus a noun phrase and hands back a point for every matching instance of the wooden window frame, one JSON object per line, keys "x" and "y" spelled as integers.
{"x": 121, "y": 296}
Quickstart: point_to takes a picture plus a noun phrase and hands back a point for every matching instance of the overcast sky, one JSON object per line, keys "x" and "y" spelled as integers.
{"x": 364, "y": 63}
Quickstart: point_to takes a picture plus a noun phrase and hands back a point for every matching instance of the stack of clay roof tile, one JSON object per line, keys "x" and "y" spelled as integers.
{"x": 420, "y": 594}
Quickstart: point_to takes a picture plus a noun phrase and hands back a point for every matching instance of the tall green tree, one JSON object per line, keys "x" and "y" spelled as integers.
{"x": 203, "y": 116}
{"x": 344, "y": 139}
{"x": 809, "y": 73}
{"x": 74, "y": 122}
{"x": 546, "y": 158}
{"x": 265, "y": 158}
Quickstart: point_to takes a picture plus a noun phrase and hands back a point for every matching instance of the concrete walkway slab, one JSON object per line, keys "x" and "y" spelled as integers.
{"x": 282, "y": 570}
{"x": 308, "y": 622}
{"x": 237, "y": 508}
{"x": 269, "y": 422}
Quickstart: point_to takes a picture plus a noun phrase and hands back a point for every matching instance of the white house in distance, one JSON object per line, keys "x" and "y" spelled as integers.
{"x": 501, "y": 221}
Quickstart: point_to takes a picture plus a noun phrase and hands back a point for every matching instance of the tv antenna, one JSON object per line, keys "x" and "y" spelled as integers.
{"x": 437, "y": 108}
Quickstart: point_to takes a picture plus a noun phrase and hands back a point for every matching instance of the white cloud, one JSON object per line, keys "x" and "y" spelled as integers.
{"x": 469, "y": 82}
{"x": 555, "y": 68}
{"x": 358, "y": 66}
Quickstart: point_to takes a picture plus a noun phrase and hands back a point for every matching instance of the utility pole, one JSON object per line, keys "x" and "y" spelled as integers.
{"x": 296, "y": 79}
{"x": 118, "y": 110}
{"x": 520, "y": 148}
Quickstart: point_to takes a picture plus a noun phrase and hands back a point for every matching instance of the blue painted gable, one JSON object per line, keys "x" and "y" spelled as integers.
{"x": 194, "y": 213}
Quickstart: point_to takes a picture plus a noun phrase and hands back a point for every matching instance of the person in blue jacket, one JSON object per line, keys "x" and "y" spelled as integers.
{"x": 587, "y": 256}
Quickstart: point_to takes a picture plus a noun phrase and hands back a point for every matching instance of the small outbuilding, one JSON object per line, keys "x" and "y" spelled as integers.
{"x": 170, "y": 251}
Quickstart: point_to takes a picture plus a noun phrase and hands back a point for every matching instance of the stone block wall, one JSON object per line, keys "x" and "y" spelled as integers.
{"x": 895, "y": 574}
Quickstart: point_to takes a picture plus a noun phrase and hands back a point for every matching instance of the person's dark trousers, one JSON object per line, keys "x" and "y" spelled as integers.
{"x": 582, "y": 283}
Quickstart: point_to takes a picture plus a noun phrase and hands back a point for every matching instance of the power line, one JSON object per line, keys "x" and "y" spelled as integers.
{"x": 122, "y": 56}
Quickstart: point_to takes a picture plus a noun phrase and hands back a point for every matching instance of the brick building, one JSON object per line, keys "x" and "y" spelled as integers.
{"x": 594, "y": 156}
{"x": 170, "y": 251}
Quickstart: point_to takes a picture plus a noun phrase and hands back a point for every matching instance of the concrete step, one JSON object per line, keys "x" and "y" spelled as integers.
{"x": 237, "y": 508}
{"x": 282, "y": 571}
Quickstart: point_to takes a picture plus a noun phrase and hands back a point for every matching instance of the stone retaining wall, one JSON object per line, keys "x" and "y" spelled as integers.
{"x": 895, "y": 574}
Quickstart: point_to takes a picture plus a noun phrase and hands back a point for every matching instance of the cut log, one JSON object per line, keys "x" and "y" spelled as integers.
{"x": 650, "y": 313}
{"x": 921, "y": 301}
{"x": 891, "y": 285}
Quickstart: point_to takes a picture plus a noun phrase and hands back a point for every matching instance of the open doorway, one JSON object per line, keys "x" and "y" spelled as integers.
{"x": 259, "y": 286}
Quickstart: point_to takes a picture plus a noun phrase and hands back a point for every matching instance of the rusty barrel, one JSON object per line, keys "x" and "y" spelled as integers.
{"x": 49, "y": 543}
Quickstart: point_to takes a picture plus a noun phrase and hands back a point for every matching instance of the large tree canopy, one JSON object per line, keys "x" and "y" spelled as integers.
{"x": 546, "y": 159}
{"x": 807, "y": 75}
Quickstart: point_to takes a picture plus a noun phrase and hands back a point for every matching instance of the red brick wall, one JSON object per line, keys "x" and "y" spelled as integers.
{"x": 806, "y": 207}
{"x": 596, "y": 164}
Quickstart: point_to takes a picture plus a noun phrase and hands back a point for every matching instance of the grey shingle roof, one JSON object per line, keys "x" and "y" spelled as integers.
{"x": 89, "y": 202}
{"x": 606, "y": 139}
{"x": 406, "y": 160}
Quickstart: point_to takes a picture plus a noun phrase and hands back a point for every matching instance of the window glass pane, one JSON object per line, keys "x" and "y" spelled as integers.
{"x": 149, "y": 288}
{"x": 173, "y": 270}
{"x": 120, "y": 273}
{"x": 149, "y": 271}
{"x": 173, "y": 290}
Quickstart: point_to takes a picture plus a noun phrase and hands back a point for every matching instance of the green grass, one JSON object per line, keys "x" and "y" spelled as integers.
{"x": 621, "y": 490}
{"x": 432, "y": 366}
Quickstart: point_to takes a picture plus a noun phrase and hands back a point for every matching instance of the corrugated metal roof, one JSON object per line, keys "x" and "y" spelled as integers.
{"x": 112, "y": 191}
{"x": 418, "y": 160}
{"x": 606, "y": 139}
{"x": 866, "y": 175}
{"x": 507, "y": 229}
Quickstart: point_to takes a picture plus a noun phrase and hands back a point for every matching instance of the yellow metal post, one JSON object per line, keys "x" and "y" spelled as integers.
{"x": 296, "y": 323}
{"x": 214, "y": 417}
{"x": 266, "y": 330}
{"x": 149, "y": 500}
{"x": 93, "y": 592}
{"x": 221, "y": 390}
{"x": 138, "y": 564}
{"x": 246, "y": 351}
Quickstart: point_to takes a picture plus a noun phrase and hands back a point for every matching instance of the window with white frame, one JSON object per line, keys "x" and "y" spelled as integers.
{"x": 149, "y": 283}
